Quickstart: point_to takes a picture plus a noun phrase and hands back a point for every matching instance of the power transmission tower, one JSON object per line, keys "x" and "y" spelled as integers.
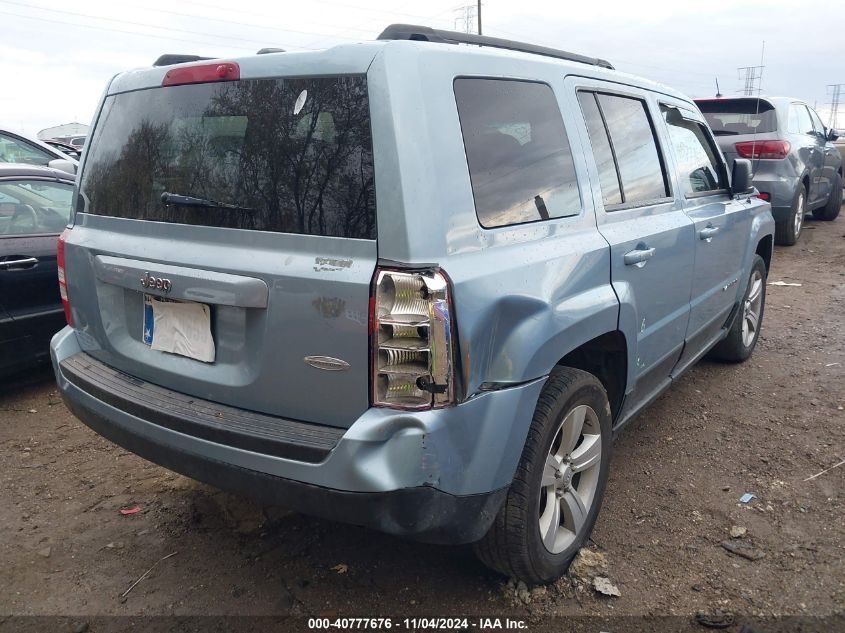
{"x": 835, "y": 97}
{"x": 752, "y": 76}
{"x": 466, "y": 18}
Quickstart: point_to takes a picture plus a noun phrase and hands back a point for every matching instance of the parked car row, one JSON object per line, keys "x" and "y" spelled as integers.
{"x": 439, "y": 330}
{"x": 796, "y": 165}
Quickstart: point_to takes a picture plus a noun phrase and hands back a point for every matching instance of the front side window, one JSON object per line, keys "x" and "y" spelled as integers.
{"x": 13, "y": 150}
{"x": 34, "y": 206}
{"x": 518, "y": 154}
{"x": 817, "y": 123}
{"x": 288, "y": 155}
{"x": 698, "y": 166}
{"x": 799, "y": 120}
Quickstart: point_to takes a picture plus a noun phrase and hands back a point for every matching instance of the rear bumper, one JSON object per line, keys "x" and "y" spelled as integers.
{"x": 781, "y": 190}
{"x": 438, "y": 476}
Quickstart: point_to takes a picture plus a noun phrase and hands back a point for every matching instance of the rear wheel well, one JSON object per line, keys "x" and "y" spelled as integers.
{"x": 764, "y": 250}
{"x": 606, "y": 357}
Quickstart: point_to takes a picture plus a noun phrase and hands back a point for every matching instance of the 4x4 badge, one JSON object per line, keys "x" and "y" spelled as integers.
{"x": 156, "y": 283}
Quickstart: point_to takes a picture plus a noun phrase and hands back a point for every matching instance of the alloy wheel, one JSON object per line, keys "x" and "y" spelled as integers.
{"x": 570, "y": 478}
{"x": 799, "y": 214}
{"x": 752, "y": 308}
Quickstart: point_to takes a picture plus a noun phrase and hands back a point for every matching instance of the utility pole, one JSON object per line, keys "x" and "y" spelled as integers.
{"x": 751, "y": 75}
{"x": 478, "y": 12}
{"x": 835, "y": 98}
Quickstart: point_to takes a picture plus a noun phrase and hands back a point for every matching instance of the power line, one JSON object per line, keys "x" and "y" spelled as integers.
{"x": 336, "y": 4}
{"x": 141, "y": 24}
{"x": 113, "y": 30}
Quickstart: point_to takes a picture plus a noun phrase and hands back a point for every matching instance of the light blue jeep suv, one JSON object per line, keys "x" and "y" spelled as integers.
{"x": 408, "y": 284}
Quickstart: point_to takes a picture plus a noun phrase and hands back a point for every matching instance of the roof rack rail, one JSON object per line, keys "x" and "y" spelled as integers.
{"x": 428, "y": 34}
{"x": 270, "y": 49}
{"x": 168, "y": 59}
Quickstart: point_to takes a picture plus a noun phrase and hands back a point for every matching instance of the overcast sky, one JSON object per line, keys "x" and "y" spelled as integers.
{"x": 58, "y": 55}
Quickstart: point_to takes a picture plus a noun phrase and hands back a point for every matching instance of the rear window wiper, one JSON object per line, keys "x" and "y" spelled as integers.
{"x": 725, "y": 133}
{"x": 189, "y": 201}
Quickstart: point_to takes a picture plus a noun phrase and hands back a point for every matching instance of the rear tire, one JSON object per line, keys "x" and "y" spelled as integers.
{"x": 741, "y": 339}
{"x": 830, "y": 211}
{"x": 788, "y": 231}
{"x": 550, "y": 509}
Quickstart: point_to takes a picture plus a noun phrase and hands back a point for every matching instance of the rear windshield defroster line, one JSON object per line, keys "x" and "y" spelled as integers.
{"x": 283, "y": 155}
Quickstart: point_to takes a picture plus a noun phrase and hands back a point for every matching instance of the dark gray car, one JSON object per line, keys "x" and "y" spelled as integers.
{"x": 34, "y": 209}
{"x": 796, "y": 166}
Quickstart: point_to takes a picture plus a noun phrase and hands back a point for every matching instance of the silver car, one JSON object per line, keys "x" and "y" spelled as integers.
{"x": 407, "y": 284}
{"x": 795, "y": 163}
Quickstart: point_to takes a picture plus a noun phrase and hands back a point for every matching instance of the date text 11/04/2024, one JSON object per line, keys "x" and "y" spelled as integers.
{"x": 416, "y": 624}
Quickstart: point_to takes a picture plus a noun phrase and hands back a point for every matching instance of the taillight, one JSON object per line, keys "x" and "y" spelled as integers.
{"x": 202, "y": 73}
{"x": 60, "y": 260}
{"x": 763, "y": 196}
{"x": 413, "y": 340}
{"x": 763, "y": 149}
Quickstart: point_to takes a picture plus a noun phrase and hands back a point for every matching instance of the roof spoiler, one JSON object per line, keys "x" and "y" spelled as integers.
{"x": 428, "y": 34}
{"x": 168, "y": 59}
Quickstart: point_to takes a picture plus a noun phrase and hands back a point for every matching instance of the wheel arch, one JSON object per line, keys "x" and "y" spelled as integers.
{"x": 605, "y": 357}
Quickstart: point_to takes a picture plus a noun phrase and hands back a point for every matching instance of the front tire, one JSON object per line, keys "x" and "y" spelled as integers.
{"x": 745, "y": 331}
{"x": 830, "y": 211}
{"x": 554, "y": 499}
{"x": 788, "y": 231}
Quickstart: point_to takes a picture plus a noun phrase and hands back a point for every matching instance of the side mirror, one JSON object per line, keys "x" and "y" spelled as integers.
{"x": 63, "y": 165}
{"x": 741, "y": 177}
{"x": 832, "y": 135}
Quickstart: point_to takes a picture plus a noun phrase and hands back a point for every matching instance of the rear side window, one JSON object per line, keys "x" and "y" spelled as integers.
{"x": 732, "y": 117}
{"x": 284, "y": 155}
{"x": 626, "y": 127}
{"x": 698, "y": 165}
{"x": 603, "y": 153}
{"x": 518, "y": 154}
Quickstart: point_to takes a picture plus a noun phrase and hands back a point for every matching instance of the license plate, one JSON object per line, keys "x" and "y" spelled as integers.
{"x": 178, "y": 327}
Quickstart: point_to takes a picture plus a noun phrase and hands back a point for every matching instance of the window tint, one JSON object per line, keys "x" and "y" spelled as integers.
{"x": 33, "y": 206}
{"x": 13, "y": 150}
{"x": 608, "y": 177}
{"x": 520, "y": 164}
{"x": 730, "y": 117}
{"x": 817, "y": 122}
{"x": 698, "y": 165}
{"x": 293, "y": 155}
{"x": 799, "y": 120}
{"x": 635, "y": 148}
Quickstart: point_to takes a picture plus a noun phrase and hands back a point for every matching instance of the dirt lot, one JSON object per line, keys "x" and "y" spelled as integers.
{"x": 763, "y": 427}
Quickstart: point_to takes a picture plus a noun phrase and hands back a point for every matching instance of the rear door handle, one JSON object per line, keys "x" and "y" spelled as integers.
{"x": 708, "y": 232}
{"x": 19, "y": 263}
{"x": 638, "y": 257}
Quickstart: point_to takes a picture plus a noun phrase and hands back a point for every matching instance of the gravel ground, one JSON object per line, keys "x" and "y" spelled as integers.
{"x": 678, "y": 471}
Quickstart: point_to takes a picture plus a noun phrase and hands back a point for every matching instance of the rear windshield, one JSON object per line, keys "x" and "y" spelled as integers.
{"x": 284, "y": 155}
{"x": 728, "y": 117}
